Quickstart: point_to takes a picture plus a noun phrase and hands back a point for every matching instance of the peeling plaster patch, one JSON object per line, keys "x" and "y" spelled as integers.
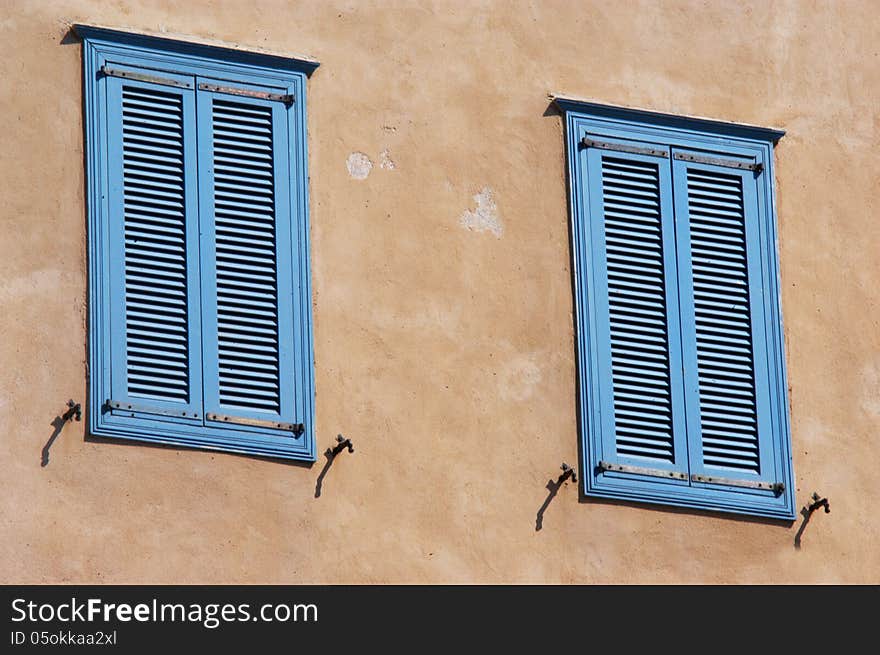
{"x": 359, "y": 165}
{"x": 385, "y": 160}
{"x": 485, "y": 217}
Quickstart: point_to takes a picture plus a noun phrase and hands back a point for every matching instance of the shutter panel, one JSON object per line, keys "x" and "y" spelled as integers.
{"x": 246, "y": 259}
{"x": 723, "y": 321}
{"x": 154, "y": 281}
{"x": 636, "y": 310}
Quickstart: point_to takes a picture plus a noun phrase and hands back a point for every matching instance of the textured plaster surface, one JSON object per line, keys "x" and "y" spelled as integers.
{"x": 447, "y": 355}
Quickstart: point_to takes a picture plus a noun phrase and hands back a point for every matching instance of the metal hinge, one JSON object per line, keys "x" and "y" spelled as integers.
{"x": 144, "y": 77}
{"x": 622, "y": 147}
{"x": 719, "y": 161}
{"x": 296, "y": 428}
{"x": 775, "y": 487}
{"x": 130, "y": 407}
{"x": 286, "y": 98}
{"x": 639, "y": 470}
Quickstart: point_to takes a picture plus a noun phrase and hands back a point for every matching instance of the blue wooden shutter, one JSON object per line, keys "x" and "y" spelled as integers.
{"x": 153, "y": 255}
{"x": 723, "y": 325}
{"x": 635, "y": 303}
{"x": 247, "y": 253}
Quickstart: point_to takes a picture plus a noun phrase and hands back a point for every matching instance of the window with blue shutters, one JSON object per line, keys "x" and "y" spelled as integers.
{"x": 682, "y": 389}
{"x": 200, "y": 312}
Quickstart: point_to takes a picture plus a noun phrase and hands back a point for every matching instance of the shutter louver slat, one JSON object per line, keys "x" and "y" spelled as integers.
{"x": 641, "y": 383}
{"x": 728, "y": 407}
{"x": 246, "y": 271}
{"x": 156, "y": 321}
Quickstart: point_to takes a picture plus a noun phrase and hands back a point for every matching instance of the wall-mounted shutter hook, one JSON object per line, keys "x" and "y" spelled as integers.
{"x": 553, "y": 488}
{"x": 817, "y": 503}
{"x": 74, "y": 411}
{"x": 341, "y": 444}
{"x": 567, "y": 472}
{"x": 807, "y": 513}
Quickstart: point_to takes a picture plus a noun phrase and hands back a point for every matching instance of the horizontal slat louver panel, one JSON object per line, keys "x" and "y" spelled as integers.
{"x": 728, "y": 408}
{"x": 637, "y": 308}
{"x": 156, "y": 317}
{"x": 245, "y": 243}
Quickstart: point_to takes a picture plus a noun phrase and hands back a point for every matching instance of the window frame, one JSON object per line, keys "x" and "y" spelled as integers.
{"x": 621, "y": 124}
{"x": 167, "y": 56}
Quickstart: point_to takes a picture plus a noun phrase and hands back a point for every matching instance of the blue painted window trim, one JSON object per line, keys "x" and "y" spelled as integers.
{"x": 167, "y": 58}
{"x": 709, "y": 137}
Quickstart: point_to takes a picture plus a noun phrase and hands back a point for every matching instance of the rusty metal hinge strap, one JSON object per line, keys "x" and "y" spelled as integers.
{"x": 587, "y": 142}
{"x": 131, "y": 407}
{"x": 720, "y": 161}
{"x": 639, "y": 470}
{"x": 144, "y": 77}
{"x": 776, "y": 487}
{"x": 295, "y": 428}
{"x": 286, "y": 98}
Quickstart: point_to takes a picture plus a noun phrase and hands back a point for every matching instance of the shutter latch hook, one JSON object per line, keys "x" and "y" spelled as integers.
{"x": 74, "y": 411}
{"x": 817, "y": 503}
{"x": 807, "y": 512}
{"x": 341, "y": 444}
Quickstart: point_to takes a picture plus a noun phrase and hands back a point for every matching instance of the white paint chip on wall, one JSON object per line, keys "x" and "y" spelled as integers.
{"x": 385, "y": 160}
{"x": 484, "y": 218}
{"x": 359, "y": 165}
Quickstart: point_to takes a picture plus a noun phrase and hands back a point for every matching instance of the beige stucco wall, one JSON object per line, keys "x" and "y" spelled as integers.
{"x": 447, "y": 353}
